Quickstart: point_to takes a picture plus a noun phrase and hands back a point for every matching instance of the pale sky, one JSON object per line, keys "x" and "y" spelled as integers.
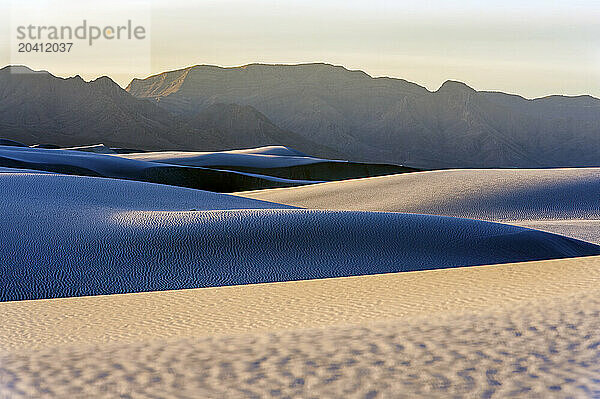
{"x": 532, "y": 48}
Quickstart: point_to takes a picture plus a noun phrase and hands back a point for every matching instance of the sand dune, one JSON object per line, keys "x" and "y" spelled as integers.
{"x": 262, "y": 157}
{"x": 276, "y": 161}
{"x": 564, "y": 201}
{"x": 96, "y": 148}
{"x": 87, "y": 161}
{"x": 516, "y": 330}
{"x": 95, "y": 164}
{"x": 505, "y": 330}
{"x": 74, "y": 236}
{"x": 236, "y": 170}
{"x": 11, "y": 143}
{"x": 269, "y": 150}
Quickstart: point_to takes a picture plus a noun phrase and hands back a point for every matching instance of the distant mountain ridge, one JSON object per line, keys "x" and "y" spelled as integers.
{"x": 37, "y": 107}
{"x": 320, "y": 109}
{"x": 392, "y": 120}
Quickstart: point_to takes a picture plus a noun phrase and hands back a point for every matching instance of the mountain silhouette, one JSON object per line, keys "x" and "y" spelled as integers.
{"x": 37, "y": 107}
{"x": 392, "y": 120}
{"x": 319, "y": 109}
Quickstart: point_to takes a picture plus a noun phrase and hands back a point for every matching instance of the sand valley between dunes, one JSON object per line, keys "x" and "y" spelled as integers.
{"x": 528, "y": 329}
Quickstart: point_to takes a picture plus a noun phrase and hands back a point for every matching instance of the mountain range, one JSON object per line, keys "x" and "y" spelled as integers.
{"x": 37, "y": 107}
{"x": 320, "y": 109}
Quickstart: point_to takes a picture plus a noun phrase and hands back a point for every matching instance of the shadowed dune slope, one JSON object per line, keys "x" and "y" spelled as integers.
{"x": 11, "y": 143}
{"x": 277, "y": 161}
{"x": 564, "y": 201}
{"x": 227, "y": 171}
{"x": 73, "y": 236}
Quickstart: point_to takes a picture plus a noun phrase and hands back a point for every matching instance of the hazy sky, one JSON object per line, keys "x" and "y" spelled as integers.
{"x": 533, "y": 48}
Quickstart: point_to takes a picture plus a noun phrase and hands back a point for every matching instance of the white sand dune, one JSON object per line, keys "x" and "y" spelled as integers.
{"x": 97, "y": 161}
{"x": 528, "y": 330}
{"x": 95, "y": 148}
{"x": 269, "y": 150}
{"x": 563, "y": 201}
{"x": 18, "y": 171}
{"x": 74, "y": 236}
{"x": 261, "y": 157}
{"x": 115, "y": 165}
{"x": 277, "y": 161}
{"x": 103, "y": 164}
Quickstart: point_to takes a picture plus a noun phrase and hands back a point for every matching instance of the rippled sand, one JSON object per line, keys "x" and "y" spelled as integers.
{"x": 561, "y": 201}
{"x": 525, "y": 330}
{"x": 67, "y": 236}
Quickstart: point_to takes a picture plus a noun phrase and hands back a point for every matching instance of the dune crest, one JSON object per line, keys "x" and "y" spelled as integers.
{"x": 562, "y": 201}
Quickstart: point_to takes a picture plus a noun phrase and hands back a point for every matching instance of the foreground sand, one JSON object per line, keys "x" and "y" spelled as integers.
{"x": 529, "y": 330}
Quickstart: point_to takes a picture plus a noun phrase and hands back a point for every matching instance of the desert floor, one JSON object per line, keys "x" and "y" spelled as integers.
{"x": 514, "y": 330}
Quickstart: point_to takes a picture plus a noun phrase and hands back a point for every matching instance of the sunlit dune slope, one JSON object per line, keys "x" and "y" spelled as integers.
{"x": 262, "y": 157}
{"x": 526, "y": 330}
